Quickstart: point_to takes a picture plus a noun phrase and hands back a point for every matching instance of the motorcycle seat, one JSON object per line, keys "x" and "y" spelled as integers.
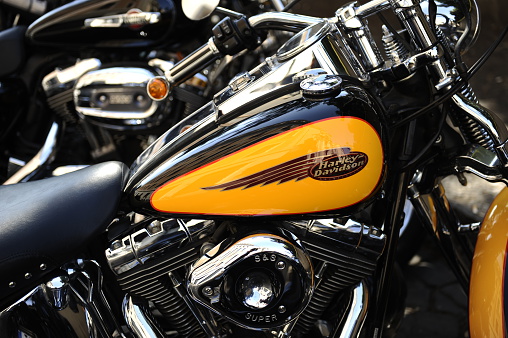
{"x": 42, "y": 223}
{"x": 12, "y": 40}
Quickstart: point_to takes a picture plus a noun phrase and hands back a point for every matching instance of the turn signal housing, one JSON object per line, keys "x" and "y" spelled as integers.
{"x": 158, "y": 88}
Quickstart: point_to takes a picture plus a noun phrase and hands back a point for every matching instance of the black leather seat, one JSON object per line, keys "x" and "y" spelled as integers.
{"x": 12, "y": 42}
{"x": 42, "y": 223}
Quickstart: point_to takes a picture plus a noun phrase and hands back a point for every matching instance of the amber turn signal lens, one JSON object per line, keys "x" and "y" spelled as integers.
{"x": 158, "y": 88}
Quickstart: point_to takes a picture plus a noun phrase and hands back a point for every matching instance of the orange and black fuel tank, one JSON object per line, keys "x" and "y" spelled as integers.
{"x": 287, "y": 155}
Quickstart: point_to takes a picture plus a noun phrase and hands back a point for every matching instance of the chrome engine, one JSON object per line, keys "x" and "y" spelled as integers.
{"x": 207, "y": 279}
{"x": 112, "y": 97}
{"x": 258, "y": 282}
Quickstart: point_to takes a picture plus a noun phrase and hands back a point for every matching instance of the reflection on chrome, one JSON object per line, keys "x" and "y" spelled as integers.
{"x": 137, "y": 320}
{"x": 43, "y": 157}
{"x": 356, "y": 312}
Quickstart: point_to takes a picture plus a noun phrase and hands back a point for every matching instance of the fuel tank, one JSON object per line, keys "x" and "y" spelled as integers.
{"x": 108, "y": 24}
{"x": 291, "y": 158}
{"x": 297, "y": 135}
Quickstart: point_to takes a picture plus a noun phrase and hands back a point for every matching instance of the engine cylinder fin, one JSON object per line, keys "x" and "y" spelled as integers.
{"x": 344, "y": 270}
{"x": 151, "y": 282}
{"x": 174, "y": 309}
{"x": 142, "y": 277}
{"x": 321, "y": 299}
{"x": 348, "y": 262}
{"x": 60, "y": 104}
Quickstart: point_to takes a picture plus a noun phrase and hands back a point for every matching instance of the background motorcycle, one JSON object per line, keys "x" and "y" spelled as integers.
{"x": 269, "y": 261}
{"x": 74, "y": 88}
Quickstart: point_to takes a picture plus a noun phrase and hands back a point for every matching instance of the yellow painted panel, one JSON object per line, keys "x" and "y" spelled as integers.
{"x": 324, "y": 165}
{"x": 486, "y": 295}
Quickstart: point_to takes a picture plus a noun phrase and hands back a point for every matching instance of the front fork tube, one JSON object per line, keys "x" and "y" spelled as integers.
{"x": 393, "y": 222}
{"x": 437, "y": 217}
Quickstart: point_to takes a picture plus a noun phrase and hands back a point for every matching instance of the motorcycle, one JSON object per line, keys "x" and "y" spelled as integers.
{"x": 274, "y": 209}
{"x": 84, "y": 66}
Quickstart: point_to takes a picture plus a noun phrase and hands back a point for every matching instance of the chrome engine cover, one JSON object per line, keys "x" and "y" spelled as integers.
{"x": 275, "y": 276}
{"x": 260, "y": 281}
{"x": 116, "y": 98}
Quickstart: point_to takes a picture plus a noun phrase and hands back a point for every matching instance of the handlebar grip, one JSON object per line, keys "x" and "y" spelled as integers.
{"x": 30, "y": 6}
{"x": 193, "y": 63}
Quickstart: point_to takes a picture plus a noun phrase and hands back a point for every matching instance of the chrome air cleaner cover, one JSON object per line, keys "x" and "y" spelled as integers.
{"x": 116, "y": 98}
{"x": 260, "y": 281}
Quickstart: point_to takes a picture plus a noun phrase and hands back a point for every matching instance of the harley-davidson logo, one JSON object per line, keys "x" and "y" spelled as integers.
{"x": 327, "y": 165}
{"x": 338, "y": 166}
{"x": 134, "y": 19}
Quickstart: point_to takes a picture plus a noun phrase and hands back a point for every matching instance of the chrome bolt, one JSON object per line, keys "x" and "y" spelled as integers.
{"x": 116, "y": 245}
{"x": 281, "y": 265}
{"x": 12, "y": 284}
{"x": 28, "y": 275}
{"x": 208, "y": 291}
{"x": 282, "y": 309}
{"x": 43, "y": 266}
{"x": 154, "y": 227}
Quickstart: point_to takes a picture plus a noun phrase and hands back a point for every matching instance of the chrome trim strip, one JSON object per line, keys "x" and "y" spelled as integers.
{"x": 65, "y": 78}
{"x": 128, "y": 19}
{"x": 44, "y": 156}
{"x": 118, "y": 115}
{"x": 353, "y": 321}
{"x": 283, "y": 21}
{"x": 372, "y": 7}
{"x": 140, "y": 324}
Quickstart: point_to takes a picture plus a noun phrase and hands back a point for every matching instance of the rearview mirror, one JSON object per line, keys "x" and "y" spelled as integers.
{"x": 198, "y": 9}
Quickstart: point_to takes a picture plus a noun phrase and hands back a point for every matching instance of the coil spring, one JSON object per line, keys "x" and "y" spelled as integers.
{"x": 468, "y": 92}
{"x": 395, "y": 51}
{"x": 445, "y": 42}
{"x": 471, "y": 129}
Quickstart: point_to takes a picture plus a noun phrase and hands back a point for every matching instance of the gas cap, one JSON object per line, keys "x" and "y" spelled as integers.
{"x": 321, "y": 86}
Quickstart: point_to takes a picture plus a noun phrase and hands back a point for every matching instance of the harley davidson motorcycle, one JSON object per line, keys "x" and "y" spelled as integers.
{"x": 275, "y": 209}
{"x": 73, "y": 84}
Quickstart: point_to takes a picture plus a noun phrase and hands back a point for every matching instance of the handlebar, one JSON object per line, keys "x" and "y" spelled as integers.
{"x": 282, "y": 21}
{"x": 193, "y": 63}
{"x": 214, "y": 48}
{"x": 30, "y": 6}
